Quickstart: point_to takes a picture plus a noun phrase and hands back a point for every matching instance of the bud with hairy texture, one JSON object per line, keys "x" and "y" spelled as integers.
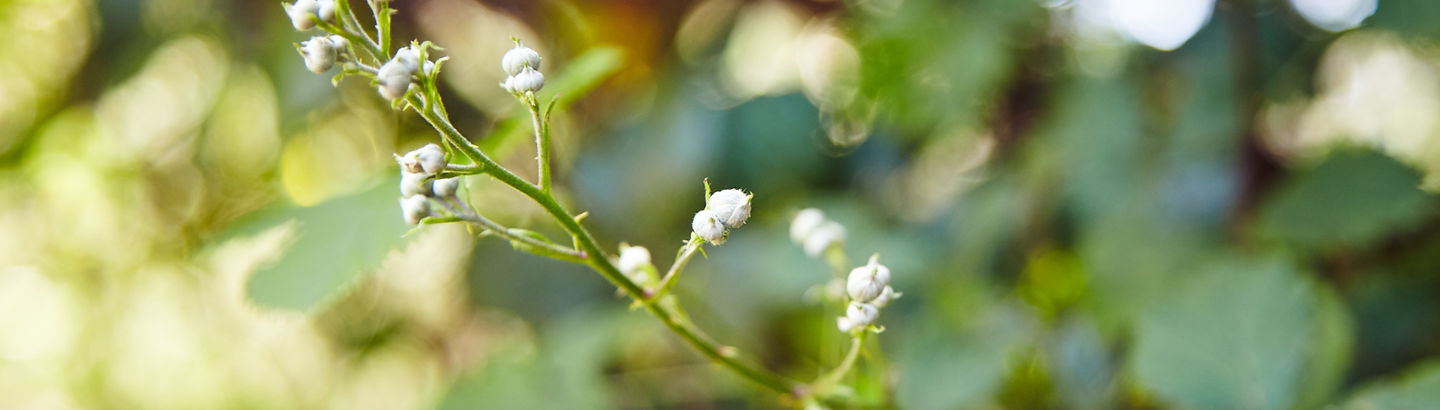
{"x": 886, "y": 296}
{"x": 732, "y": 205}
{"x": 326, "y": 10}
{"x": 865, "y": 283}
{"x": 319, "y": 54}
{"x": 528, "y": 80}
{"x": 446, "y": 188}
{"x": 412, "y": 183}
{"x": 300, "y": 12}
{"x": 519, "y": 58}
{"x": 415, "y": 208}
{"x": 393, "y": 79}
{"x": 857, "y": 316}
{"x": 707, "y": 224}
{"x": 635, "y": 263}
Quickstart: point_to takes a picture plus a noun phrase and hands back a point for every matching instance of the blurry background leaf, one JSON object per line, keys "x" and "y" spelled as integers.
{"x": 1350, "y": 199}
{"x": 1417, "y": 389}
{"x": 335, "y": 242}
{"x": 946, "y": 368}
{"x": 1236, "y": 337}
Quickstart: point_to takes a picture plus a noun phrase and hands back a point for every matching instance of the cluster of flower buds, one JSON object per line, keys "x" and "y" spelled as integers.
{"x": 634, "y": 262}
{"x": 417, "y": 185}
{"x": 394, "y": 77}
{"x": 816, "y": 234}
{"x": 724, "y": 209}
{"x": 869, "y": 290}
{"x": 522, "y": 70}
{"x": 301, "y": 10}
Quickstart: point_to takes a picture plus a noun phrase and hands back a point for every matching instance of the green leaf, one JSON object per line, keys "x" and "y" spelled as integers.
{"x": 1329, "y": 358}
{"x": 944, "y": 369}
{"x": 1418, "y": 389}
{"x": 1236, "y": 337}
{"x": 336, "y": 241}
{"x": 1351, "y": 199}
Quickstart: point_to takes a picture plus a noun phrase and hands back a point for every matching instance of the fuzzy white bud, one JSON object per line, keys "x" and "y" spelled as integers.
{"x": 326, "y": 10}
{"x": 446, "y": 188}
{"x": 518, "y": 58}
{"x": 707, "y": 224}
{"x": 415, "y": 208}
{"x": 858, "y": 316}
{"x": 394, "y": 80}
{"x": 732, "y": 205}
{"x": 412, "y": 184}
{"x": 319, "y": 54}
{"x": 528, "y": 80}
{"x": 828, "y": 234}
{"x": 410, "y": 57}
{"x": 428, "y": 68}
{"x": 300, "y": 13}
{"x": 635, "y": 263}
{"x": 886, "y": 296}
{"x": 508, "y": 84}
{"x": 430, "y": 157}
{"x": 339, "y": 43}
{"x": 865, "y": 283}
{"x": 804, "y": 223}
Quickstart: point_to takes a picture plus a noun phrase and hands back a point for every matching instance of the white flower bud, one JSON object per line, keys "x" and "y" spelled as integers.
{"x": 707, "y": 224}
{"x": 858, "y": 316}
{"x": 394, "y": 80}
{"x": 518, "y": 58}
{"x": 339, "y": 43}
{"x": 867, "y": 282}
{"x": 635, "y": 263}
{"x": 412, "y": 184}
{"x": 410, "y": 57}
{"x": 300, "y": 13}
{"x": 844, "y": 324}
{"x": 445, "y": 188}
{"x": 430, "y": 157}
{"x": 828, "y": 234}
{"x": 804, "y": 223}
{"x": 415, "y": 208}
{"x": 428, "y": 68}
{"x": 319, "y": 54}
{"x": 508, "y": 84}
{"x": 326, "y": 11}
{"x": 732, "y": 205}
{"x": 886, "y": 296}
{"x": 528, "y": 80}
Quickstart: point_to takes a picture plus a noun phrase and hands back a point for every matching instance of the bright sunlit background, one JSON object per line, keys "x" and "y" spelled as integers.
{"x": 1089, "y": 204}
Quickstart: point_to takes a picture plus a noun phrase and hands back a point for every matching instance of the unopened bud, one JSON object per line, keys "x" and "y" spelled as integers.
{"x": 707, "y": 224}
{"x": 858, "y": 316}
{"x": 732, "y": 205}
{"x": 528, "y": 80}
{"x": 415, "y": 208}
{"x": 339, "y": 42}
{"x": 820, "y": 239}
{"x": 867, "y": 282}
{"x": 635, "y": 263}
{"x": 409, "y": 57}
{"x": 300, "y": 13}
{"x": 319, "y": 54}
{"x": 430, "y": 157}
{"x": 446, "y": 188}
{"x": 518, "y": 58}
{"x": 804, "y": 223}
{"x": 412, "y": 184}
{"x": 326, "y": 11}
{"x": 428, "y": 68}
{"x": 886, "y": 296}
{"x": 394, "y": 80}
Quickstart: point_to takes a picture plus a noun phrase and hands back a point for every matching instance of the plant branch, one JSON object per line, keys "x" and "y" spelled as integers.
{"x": 686, "y": 251}
{"x": 829, "y": 380}
{"x": 542, "y": 143}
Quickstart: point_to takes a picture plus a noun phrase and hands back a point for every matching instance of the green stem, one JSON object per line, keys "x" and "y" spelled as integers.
{"x": 596, "y": 259}
{"x": 669, "y": 280}
{"x": 829, "y": 380}
{"x": 533, "y": 245}
{"x": 542, "y": 144}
